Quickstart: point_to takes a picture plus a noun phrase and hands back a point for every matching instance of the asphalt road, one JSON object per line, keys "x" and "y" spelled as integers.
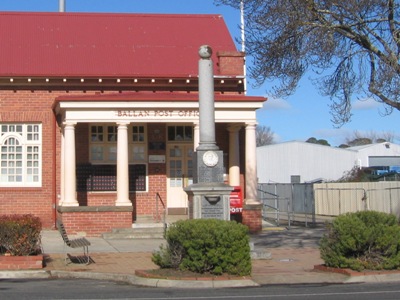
{"x": 92, "y": 289}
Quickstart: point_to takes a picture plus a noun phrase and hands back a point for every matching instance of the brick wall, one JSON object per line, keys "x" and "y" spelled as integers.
{"x": 252, "y": 217}
{"x": 94, "y": 223}
{"x": 24, "y": 107}
{"x": 21, "y": 262}
{"x": 35, "y": 107}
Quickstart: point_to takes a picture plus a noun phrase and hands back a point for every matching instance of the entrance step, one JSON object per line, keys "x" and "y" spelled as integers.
{"x": 138, "y": 231}
{"x": 145, "y": 219}
{"x": 143, "y": 228}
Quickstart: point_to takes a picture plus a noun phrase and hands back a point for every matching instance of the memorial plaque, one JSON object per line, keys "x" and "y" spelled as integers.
{"x": 205, "y": 173}
{"x": 212, "y": 210}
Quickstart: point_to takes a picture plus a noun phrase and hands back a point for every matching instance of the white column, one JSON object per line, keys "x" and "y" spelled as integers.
{"x": 234, "y": 160}
{"x": 122, "y": 166}
{"x": 196, "y": 135}
{"x": 62, "y": 167}
{"x": 251, "y": 164}
{"x": 69, "y": 166}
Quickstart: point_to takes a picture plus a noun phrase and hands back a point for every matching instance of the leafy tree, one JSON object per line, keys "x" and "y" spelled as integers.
{"x": 264, "y": 136}
{"x": 313, "y": 140}
{"x": 355, "y": 42}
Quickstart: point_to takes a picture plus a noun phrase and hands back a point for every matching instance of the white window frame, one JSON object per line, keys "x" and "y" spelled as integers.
{"x": 31, "y": 162}
{"x": 137, "y": 147}
{"x": 109, "y": 148}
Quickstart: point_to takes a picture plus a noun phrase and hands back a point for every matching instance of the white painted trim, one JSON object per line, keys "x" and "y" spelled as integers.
{"x": 157, "y": 104}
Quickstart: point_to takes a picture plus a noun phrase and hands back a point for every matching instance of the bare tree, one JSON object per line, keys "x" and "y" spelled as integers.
{"x": 264, "y": 136}
{"x": 353, "y": 46}
{"x": 358, "y": 138}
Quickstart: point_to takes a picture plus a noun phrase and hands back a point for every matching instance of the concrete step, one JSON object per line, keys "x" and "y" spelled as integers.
{"x": 139, "y": 231}
{"x": 144, "y": 228}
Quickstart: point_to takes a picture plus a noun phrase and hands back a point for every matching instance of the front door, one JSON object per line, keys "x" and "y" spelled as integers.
{"x": 180, "y": 174}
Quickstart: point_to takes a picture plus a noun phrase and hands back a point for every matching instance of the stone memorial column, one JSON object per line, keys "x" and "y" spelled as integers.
{"x": 208, "y": 195}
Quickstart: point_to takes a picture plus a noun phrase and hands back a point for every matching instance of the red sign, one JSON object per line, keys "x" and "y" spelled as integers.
{"x": 236, "y": 200}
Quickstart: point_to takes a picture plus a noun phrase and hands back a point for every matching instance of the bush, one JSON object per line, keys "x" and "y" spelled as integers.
{"x": 206, "y": 245}
{"x": 362, "y": 240}
{"x": 20, "y": 235}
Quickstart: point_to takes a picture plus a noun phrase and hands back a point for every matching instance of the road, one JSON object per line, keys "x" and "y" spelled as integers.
{"x": 92, "y": 289}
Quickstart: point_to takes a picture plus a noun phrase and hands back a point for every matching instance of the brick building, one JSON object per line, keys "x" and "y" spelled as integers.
{"x": 99, "y": 115}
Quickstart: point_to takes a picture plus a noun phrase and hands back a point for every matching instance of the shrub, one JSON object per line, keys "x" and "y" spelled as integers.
{"x": 206, "y": 245}
{"x": 362, "y": 240}
{"x": 20, "y": 234}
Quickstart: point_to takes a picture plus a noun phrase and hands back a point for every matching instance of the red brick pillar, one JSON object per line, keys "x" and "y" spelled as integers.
{"x": 252, "y": 217}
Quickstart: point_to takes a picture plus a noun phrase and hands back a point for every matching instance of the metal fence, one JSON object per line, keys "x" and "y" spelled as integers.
{"x": 307, "y": 203}
{"x": 287, "y": 202}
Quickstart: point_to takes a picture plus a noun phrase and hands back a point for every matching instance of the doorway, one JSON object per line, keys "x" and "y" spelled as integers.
{"x": 179, "y": 176}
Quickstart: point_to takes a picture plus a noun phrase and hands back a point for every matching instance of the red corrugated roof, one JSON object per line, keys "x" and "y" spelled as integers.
{"x": 93, "y": 44}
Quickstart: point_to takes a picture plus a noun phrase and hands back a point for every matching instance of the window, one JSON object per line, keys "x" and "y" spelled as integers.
{"x": 180, "y": 133}
{"x": 100, "y": 174}
{"x": 21, "y": 148}
{"x": 103, "y": 144}
{"x": 138, "y": 144}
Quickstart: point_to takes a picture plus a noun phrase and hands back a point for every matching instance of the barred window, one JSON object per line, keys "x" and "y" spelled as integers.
{"x": 95, "y": 178}
{"x": 100, "y": 173}
{"x": 20, "y": 155}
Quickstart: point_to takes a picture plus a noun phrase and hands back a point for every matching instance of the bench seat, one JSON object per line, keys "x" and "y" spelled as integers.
{"x": 80, "y": 242}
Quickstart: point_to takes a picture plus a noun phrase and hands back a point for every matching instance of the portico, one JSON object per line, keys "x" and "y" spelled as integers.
{"x": 234, "y": 115}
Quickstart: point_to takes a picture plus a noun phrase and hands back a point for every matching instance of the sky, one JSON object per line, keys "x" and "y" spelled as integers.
{"x": 298, "y": 117}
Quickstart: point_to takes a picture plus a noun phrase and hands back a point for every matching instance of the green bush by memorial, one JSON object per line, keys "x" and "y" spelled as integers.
{"x": 206, "y": 246}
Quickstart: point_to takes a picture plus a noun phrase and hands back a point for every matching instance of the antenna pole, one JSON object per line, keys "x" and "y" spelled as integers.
{"x": 61, "y": 5}
{"x": 243, "y": 44}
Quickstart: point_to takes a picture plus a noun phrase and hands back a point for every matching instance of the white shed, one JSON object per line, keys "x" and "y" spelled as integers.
{"x": 306, "y": 162}
{"x": 377, "y": 155}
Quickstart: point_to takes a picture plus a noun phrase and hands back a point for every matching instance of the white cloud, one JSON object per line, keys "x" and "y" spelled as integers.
{"x": 276, "y": 104}
{"x": 365, "y": 104}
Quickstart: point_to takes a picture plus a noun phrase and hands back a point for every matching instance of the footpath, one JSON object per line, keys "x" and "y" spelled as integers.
{"x": 279, "y": 256}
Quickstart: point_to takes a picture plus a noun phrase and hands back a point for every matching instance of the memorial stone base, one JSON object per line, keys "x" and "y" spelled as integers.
{"x": 209, "y": 200}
